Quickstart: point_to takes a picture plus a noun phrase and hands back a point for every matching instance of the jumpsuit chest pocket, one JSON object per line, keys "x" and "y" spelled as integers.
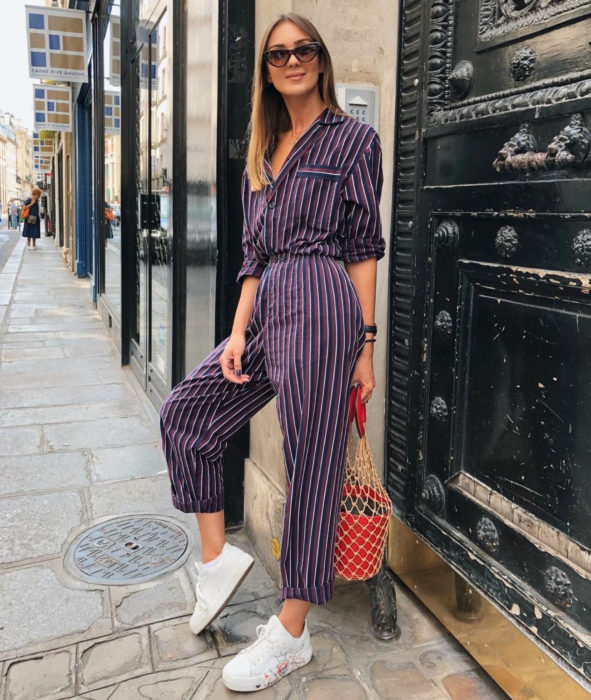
{"x": 318, "y": 188}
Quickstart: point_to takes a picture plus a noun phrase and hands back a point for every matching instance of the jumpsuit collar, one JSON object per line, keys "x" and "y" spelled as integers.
{"x": 326, "y": 118}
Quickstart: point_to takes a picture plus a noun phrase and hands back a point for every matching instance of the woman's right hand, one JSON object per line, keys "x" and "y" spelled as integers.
{"x": 231, "y": 359}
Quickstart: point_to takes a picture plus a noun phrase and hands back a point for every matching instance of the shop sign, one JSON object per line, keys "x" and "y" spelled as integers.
{"x": 112, "y": 112}
{"x": 52, "y": 107}
{"x": 56, "y": 43}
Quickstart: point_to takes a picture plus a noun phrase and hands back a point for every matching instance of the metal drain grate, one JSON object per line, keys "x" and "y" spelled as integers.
{"x": 128, "y": 550}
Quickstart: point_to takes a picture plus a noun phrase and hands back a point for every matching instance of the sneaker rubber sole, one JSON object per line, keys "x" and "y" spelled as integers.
{"x": 196, "y": 628}
{"x": 251, "y": 685}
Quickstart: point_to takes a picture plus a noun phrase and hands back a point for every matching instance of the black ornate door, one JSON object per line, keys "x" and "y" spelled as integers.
{"x": 489, "y": 426}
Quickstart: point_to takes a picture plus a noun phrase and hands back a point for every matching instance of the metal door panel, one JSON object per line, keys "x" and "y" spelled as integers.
{"x": 490, "y": 368}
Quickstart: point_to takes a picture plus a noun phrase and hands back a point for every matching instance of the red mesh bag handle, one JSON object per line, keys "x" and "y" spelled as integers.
{"x": 357, "y": 410}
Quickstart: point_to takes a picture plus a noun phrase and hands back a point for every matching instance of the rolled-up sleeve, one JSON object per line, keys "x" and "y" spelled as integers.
{"x": 254, "y": 264}
{"x": 361, "y": 192}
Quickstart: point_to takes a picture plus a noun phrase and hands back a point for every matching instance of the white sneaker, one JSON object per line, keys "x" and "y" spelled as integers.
{"x": 217, "y": 584}
{"x": 275, "y": 654}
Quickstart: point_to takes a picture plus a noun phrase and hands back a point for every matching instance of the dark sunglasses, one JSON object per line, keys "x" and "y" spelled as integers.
{"x": 304, "y": 53}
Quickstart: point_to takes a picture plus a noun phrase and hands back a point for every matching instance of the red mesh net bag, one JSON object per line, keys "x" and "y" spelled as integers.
{"x": 365, "y": 506}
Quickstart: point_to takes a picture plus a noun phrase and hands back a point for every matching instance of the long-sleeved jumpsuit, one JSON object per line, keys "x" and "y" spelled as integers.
{"x": 302, "y": 342}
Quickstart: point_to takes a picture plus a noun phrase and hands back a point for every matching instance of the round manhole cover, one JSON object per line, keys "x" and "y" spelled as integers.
{"x": 128, "y": 550}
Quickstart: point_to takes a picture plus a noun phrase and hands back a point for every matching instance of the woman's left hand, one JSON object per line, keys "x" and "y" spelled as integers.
{"x": 363, "y": 373}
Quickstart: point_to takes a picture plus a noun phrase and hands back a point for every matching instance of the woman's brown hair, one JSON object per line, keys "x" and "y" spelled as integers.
{"x": 36, "y": 191}
{"x": 269, "y": 116}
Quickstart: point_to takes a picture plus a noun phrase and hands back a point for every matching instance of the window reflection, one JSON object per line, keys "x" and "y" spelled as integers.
{"x": 112, "y": 151}
{"x": 160, "y": 188}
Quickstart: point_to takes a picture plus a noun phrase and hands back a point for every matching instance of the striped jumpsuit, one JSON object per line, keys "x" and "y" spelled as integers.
{"x": 302, "y": 342}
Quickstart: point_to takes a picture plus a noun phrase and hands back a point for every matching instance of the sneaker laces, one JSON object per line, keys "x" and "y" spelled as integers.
{"x": 261, "y": 647}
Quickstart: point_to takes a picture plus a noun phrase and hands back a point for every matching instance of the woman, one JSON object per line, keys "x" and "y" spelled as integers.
{"x": 32, "y": 225}
{"x": 303, "y": 331}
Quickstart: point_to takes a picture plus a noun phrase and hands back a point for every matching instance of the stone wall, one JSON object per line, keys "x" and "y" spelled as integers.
{"x": 363, "y": 43}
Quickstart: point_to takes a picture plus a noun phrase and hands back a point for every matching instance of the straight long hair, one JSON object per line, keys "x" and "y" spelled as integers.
{"x": 269, "y": 116}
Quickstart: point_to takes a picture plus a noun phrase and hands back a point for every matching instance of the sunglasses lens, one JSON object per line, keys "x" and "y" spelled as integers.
{"x": 307, "y": 52}
{"x": 278, "y": 57}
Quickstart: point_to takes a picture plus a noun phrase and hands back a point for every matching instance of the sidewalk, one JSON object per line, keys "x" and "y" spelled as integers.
{"x": 79, "y": 445}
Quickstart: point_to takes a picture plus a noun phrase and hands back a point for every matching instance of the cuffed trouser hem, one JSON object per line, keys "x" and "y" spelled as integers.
{"x": 319, "y": 595}
{"x": 206, "y": 505}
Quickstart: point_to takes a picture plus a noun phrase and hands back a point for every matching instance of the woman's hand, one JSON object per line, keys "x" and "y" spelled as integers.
{"x": 363, "y": 373}
{"x": 231, "y": 359}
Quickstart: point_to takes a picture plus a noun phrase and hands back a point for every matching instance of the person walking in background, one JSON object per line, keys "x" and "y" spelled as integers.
{"x": 109, "y": 217}
{"x": 32, "y": 222}
{"x": 13, "y": 215}
{"x": 303, "y": 331}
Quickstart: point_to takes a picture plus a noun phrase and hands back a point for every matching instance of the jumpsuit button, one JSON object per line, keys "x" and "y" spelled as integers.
{"x": 271, "y": 204}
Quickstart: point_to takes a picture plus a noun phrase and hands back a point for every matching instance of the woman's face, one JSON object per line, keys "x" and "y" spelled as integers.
{"x": 296, "y": 78}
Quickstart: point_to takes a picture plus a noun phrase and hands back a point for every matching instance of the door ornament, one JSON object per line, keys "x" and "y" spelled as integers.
{"x": 447, "y": 234}
{"x": 506, "y": 242}
{"x": 516, "y": 8}
{"x": 444, "y": 324}
{"x": 582, "y": 247}
{"x": 568, "y": 149}
{"x": 501, "y": 17}
{"x": 523, "y": 63}
{"x": 440, "y": 52}
{"x": 559, "y": 587}
{"x": 439, "y": 410}
{"x": 487, "y": 534}
{"x": 433, "y": 494}
{"x": 460, "y": 79}
{"x": 384, "y": 612}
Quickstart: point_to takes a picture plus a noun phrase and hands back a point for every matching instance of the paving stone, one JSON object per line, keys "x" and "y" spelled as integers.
{"x": 329, "y": 657}
{"x": 323, "y": 688}
{"x": 400, "y": 681}
{"x": 61, "y": 395}
{"x": 108, "y": 432}
{"x": 50, "y": 676}
{"x": 15, "y": 441}
{"x": 86, "y": 377}
{"x": 9, "y": 354}
{"x": 62, "y": 338}
{"x": 235, "y": 628}
{"x": 107, "y": 661}
{"x": 25, "y": 593}
{"x": 166, "y": 685}
{"x": 37, "y": 525}
{"x": 128, "y": 462}
{"x": 473, "y": 684}
{"x": 142, "y": 495}
{"x": 44, "y": 472}
{"x": 213, "y": 687}
{"x": 348, "y": 612}
{"x": 46, "y": 326}
{"x": 97, "y": 694}
{"x": 69, "y": 413}
{"x": 90, "y": 348}
{"x": 174, "y": 645}
{"x": 167, "y": 597}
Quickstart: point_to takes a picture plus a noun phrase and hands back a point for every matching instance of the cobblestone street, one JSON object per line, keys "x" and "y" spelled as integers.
{"x": 79, "y": 445}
